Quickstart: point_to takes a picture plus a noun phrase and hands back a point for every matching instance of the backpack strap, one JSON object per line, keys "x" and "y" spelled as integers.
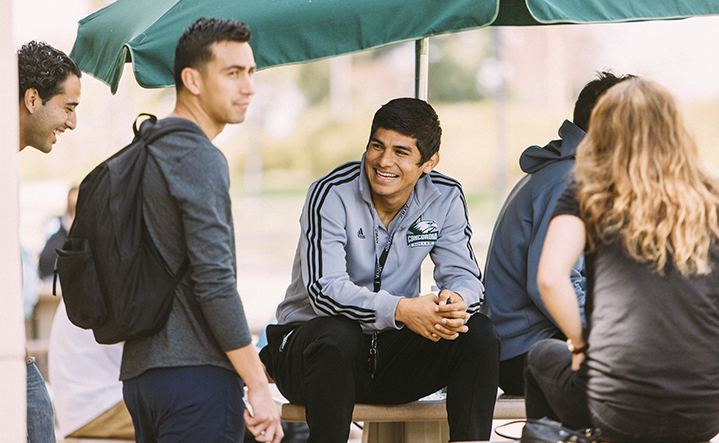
{"x": 150, "y": 136}
{"x": 181, "y": 272}
{"x": 150, "y": 117}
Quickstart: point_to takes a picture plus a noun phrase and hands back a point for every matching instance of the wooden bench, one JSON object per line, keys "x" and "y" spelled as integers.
{"x": 94, "y": 440}
{"x": 416, "y": 422}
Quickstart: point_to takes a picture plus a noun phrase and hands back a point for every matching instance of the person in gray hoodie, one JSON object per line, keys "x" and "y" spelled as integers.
{"x": 513, "y": 302}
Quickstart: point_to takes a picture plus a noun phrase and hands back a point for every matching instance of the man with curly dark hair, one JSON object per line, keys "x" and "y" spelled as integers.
{"x": 49, "y": 90}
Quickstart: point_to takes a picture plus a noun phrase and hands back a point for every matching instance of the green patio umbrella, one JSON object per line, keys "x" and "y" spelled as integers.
{"x": 145, "y": 33}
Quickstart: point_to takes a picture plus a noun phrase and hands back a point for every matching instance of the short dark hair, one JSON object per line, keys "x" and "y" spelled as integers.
{"x": 44, "y": 68}
{"x": 414, "y": 118}
{"x": 590, "y": 96}
{"x": 194, "y": 48}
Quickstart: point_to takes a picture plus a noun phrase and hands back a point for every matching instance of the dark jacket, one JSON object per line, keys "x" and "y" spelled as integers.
{"x": 512, "y": 297}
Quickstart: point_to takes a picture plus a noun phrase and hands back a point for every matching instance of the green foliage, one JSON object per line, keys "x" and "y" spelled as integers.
{"x": 319, "y": 144}
{"x": 314, "y": 81}
{"x": 451, "y": 82}
{"x": 454, "y": 62}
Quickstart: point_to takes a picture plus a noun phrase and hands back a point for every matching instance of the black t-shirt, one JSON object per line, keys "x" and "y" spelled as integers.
{"x": 654, "y": 339}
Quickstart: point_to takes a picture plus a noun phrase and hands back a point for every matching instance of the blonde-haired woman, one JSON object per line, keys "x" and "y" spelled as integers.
{"x": 644, "y": 211}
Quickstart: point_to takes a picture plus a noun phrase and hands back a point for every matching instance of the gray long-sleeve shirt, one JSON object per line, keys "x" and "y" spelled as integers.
{"x": 188, "y": 212}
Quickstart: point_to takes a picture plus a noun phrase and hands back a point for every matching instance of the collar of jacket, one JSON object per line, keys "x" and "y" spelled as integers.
{"x": 535, "y": 158}
{"x": 424, "y": 192}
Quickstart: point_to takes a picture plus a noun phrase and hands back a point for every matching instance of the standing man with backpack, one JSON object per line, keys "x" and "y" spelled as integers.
{"x": 49, "y": 92}
{"x": 181, "y": 384}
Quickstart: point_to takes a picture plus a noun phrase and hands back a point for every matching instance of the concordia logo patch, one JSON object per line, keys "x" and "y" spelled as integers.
{"x": 422, "y": 233}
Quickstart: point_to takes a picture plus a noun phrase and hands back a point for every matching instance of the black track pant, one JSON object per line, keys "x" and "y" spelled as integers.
{"x": 323, "y": 365}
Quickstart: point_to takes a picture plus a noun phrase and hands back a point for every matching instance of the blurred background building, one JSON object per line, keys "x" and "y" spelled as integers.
{"x": 496, "y": 90}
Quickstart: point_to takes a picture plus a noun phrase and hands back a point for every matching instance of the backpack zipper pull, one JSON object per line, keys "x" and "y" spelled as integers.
{"x": 54, "y": 278}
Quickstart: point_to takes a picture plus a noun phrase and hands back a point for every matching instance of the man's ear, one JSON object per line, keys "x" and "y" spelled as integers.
{"x": 32, "y": 100}
{"x": 430, "y": 164}
{"x": 192, "y": 80}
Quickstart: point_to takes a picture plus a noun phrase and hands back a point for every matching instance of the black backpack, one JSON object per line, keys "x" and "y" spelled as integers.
{"x": 113, "y": 279}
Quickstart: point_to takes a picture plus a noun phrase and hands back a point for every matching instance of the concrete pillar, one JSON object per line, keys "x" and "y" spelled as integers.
{"x": 12, "y": 326}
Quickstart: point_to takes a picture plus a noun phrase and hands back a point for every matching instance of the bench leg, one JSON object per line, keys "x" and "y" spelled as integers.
{"x": 405, "y": 432}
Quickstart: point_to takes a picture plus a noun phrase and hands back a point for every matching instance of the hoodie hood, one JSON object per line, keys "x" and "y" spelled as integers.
{"x": 535, "y": 158}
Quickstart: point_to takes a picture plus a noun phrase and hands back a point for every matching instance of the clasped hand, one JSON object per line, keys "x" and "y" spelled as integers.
{"x": 434, "y": 317}
{"x": 264, "y": 423}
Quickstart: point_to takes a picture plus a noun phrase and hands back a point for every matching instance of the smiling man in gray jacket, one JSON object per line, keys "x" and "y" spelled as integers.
{"x": 353, "y": 326}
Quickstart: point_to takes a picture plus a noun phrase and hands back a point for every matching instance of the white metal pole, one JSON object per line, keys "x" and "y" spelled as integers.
{"x": 421, "y": 68}
{"x": 500, "y": 103}
{"x": 12, "y": 326}
{"x": 421, "y": 77}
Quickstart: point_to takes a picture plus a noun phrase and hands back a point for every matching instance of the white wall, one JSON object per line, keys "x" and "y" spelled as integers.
{"x": 12, "y": 326}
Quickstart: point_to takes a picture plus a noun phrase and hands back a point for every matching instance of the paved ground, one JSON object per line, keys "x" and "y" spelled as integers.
{"x": 266, "y": 231}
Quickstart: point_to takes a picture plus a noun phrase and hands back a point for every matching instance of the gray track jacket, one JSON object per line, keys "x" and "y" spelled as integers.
{"x": 342, "y": 240}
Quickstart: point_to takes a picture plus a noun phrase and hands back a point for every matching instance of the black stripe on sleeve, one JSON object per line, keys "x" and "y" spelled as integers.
{"x": 341, "y": 175}
{"x": 443, "y": 180}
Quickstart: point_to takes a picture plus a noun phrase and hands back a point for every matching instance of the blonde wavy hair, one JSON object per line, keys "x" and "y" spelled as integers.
{"x": 640, "y": 180}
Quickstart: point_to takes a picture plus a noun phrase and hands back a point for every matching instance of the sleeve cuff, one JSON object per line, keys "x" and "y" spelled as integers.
{"x": 386, "y": 309}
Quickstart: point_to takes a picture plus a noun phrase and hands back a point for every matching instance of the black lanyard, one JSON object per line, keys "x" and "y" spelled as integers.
{"x": 378, "y": 267}
{"x": 379, "y": 264}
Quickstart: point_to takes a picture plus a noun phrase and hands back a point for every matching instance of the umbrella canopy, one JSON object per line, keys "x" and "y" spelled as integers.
{"x": 291, "y": 31}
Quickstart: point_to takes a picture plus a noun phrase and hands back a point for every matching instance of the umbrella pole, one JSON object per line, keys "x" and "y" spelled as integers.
{"x": 421, "y": 75}
{"x": 421, "y": 67}
{"x": 12, "y": 327}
